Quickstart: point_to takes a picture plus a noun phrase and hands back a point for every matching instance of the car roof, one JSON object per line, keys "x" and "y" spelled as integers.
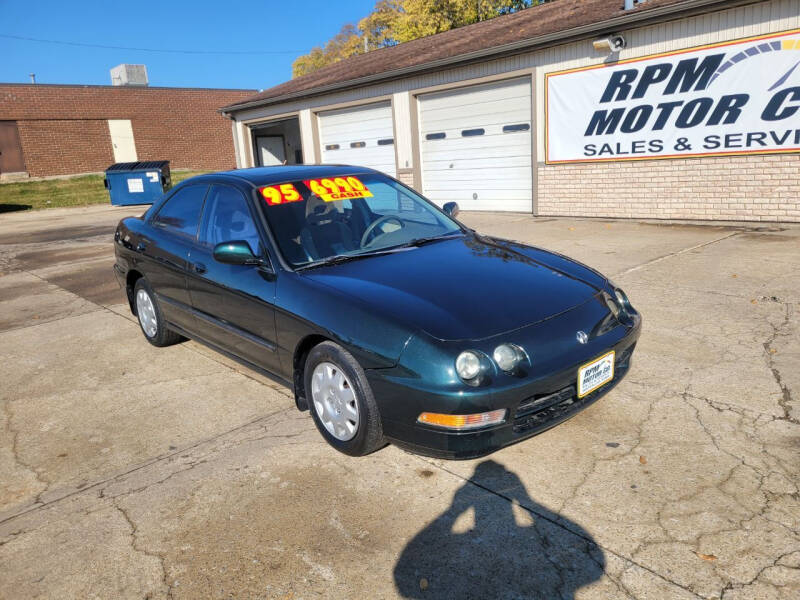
{"x": 259, "y": 176}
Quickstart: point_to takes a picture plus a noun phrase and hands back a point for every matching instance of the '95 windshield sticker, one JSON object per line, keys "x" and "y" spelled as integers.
{"x": 595, "y": 374}
{"x": 338, "y": 188}
{"x": 280, "y": 194}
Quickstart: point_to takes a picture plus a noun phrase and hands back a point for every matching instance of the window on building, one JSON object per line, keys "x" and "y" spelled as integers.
{"x": 518, "y": 127}
{"x": 472, "y": 132}
{"x": 358, "y": 144}
{"x": 435, "y": 136}
{"x": 332, "y": 147}
{"x": 386, "y": 142}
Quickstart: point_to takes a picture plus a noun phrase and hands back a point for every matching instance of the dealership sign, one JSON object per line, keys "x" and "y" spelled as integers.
{"x": 740, "y": 97}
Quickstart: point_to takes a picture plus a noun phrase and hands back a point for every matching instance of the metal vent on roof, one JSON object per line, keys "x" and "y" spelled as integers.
{"x": 631, "y": 4}
{"x": 132, "y": 75}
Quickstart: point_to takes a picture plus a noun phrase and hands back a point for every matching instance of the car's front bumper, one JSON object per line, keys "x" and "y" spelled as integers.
{"x": 533, "y": 407}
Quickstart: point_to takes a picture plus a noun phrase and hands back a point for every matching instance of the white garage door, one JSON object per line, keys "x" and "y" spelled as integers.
{"x": 361, "y": 136}
{"x": 476, "y": 146}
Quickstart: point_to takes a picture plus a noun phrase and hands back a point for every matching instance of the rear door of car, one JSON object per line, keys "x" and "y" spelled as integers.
{"x": 165, "y": 251}
{"x": 234, "y": 304}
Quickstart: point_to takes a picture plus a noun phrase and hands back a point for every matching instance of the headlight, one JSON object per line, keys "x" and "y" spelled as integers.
{"x": 622, "y": 299}
{"x": 613, "y": 305}
{"x": 508, "y": 356}
{"x": 468, "y": 365}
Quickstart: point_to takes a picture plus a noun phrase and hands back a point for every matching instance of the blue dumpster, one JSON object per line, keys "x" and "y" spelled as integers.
{"x": 137, "y": 182}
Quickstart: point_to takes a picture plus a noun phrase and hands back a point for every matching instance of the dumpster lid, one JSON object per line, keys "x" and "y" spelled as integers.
{"x": 135, "y": 166}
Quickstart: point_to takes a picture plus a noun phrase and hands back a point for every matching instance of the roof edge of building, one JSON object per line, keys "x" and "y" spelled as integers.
{"x": 640, "y": 17}
{"x": 126, "y": 87}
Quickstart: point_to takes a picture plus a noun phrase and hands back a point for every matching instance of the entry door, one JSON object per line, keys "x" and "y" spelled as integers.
{"x": 362, "y": 136}
{"x": 11, "y": 160}
{"x": 476, "y": 146}
{"x": 164, "y": 259}
{"x": 234, "y": 304}
{"x": 122, "y": 140}
{"x": 271, "y": 150}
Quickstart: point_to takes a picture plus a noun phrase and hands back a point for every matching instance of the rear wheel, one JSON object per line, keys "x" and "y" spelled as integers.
{"x": 341, "y": 401}
{"x": 151, "y": 320}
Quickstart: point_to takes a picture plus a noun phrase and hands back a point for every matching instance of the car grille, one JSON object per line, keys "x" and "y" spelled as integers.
{"x": 539, "y": 410}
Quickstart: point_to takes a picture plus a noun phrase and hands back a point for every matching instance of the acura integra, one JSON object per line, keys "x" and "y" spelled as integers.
{"x": 389, "y": 319}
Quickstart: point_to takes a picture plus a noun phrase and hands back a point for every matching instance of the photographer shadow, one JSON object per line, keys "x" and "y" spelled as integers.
{"x": 485, "y": 546}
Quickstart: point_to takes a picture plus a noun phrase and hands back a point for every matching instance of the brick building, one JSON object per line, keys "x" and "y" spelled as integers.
{"x": 69, "y": 129}
{"x": 674, "y": 109}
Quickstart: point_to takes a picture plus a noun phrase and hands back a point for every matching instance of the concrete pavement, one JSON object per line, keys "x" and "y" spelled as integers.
{"x": 131, "y": 471}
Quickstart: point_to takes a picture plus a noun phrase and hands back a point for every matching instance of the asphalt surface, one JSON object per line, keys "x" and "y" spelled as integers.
{"x": 128, "y": 471}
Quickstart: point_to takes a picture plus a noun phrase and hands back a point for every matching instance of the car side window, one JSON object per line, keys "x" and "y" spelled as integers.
{"x": 181, "y": 212}
{"x": 227, "y": 218}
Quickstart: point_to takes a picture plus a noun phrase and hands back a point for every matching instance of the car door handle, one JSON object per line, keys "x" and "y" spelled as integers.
{"x": 199, "y": 268}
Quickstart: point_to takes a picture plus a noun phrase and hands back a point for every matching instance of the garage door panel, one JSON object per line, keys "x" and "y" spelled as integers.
{"x": 517, "y": 177}
{"x": 477, "y": 94}
{"x": 373, "y": 128}
{"x": 478, "y": 142}
{"x": 490, "y": 171}
{"x": 496, "y": 113}
{"x": 489, "y": 163}
{"x": 365, "y": 125}
{"x": 503, "y": 189}
{"x": 492, "y": 124}
{"x": 475, "y": 149}
{"x": 485, "y": 194}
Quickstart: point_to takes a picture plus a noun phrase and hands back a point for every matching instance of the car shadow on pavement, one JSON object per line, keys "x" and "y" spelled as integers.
{"x": 483, "y": 546}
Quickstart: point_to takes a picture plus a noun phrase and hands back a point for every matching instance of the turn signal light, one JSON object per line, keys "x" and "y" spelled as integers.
{"x": 463, "y": 422}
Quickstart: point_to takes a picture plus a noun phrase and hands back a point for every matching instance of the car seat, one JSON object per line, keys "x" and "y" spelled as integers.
{"x": 324, "y": 233}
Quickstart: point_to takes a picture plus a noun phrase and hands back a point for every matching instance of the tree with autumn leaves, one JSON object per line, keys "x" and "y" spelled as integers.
{"x": 392, "y": 22}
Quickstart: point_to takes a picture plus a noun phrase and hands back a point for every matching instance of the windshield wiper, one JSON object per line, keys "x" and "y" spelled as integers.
{"x": 343, "y": 258}
{"x": 427, "y": 240}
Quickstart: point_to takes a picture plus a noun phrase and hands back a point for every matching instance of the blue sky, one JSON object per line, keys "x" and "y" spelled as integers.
{"x": 291, "y": 28}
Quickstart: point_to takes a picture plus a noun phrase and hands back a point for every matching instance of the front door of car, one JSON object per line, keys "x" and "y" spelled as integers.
{"x": 234, "y": 304}
{"x": 165, "y": 251}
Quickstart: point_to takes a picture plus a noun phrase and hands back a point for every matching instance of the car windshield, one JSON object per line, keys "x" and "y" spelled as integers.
{"x": 317, "y": 221}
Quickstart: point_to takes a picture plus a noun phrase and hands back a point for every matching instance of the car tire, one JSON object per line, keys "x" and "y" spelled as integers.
{"x": 151, "y": 319}
{"x": 332, "y": 365}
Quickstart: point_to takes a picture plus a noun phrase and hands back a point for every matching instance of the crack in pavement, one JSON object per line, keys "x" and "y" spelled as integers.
{"x": 673, "y": 254}
{"x": 14, "y": 437}
{"x": 134, "y": 544}
{"x": 155, "y": 460}
{"x": 786, "y": 399}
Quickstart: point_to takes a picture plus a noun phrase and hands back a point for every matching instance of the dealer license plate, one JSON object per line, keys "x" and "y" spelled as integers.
{"x": 595, "y": 374}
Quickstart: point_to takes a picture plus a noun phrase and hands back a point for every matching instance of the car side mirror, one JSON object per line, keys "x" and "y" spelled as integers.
{"x": 237, "y": 252}
{"x": 451, "y": 209}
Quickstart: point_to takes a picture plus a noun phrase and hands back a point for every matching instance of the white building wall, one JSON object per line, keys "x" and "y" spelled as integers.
{"x": 311, "y": 154}
{"x": 403, "y": 135}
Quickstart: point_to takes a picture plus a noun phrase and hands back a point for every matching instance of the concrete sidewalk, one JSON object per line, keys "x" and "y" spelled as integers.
{"x": 131, "y": 471}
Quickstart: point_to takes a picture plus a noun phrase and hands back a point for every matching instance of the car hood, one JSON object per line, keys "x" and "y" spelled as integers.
{"x": 470, "y": 287}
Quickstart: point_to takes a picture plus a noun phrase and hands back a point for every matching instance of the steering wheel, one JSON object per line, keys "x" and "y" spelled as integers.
{"x": 374, "y": 224}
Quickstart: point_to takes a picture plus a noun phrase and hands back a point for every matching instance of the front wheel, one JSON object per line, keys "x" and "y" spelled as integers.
{"x": 341, "y": 401}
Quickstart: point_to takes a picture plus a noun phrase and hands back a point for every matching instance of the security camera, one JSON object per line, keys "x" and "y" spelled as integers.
{"x": 612, "y": 43}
